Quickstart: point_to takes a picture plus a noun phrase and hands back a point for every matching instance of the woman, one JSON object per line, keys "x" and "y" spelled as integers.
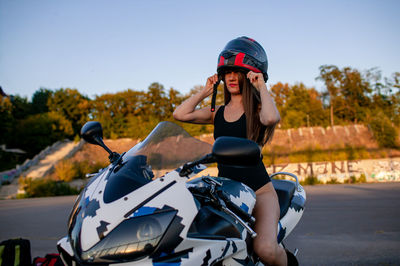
{"x": 249, "y": 112}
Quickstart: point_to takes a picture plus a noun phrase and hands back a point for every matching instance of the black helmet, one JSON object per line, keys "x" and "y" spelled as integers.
{"x": 243, "y": 53}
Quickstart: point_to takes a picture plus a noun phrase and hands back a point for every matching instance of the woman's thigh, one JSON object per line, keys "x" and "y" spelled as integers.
{"x": 266, "y": 212}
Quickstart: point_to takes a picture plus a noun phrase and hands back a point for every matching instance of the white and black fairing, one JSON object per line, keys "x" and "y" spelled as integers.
{"x": 140, "y": 211}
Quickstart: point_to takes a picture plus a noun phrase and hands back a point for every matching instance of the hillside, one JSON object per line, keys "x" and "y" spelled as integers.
{"x": 292, "y": 145}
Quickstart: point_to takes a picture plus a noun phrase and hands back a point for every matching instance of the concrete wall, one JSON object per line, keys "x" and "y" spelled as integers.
{"x": 378, "y": 170}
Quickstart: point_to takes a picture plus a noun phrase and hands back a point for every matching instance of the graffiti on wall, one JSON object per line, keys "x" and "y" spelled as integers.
{"x": 7, "y": 176}
{"x": 382, "y": 170}
{"x": 386, "y": 171}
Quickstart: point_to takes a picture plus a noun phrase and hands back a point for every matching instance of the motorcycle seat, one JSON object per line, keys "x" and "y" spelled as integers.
{"x": 285, "y": 190}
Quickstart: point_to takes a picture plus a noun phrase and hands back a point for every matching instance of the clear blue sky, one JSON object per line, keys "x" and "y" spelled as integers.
{"x": 99, "y": 46}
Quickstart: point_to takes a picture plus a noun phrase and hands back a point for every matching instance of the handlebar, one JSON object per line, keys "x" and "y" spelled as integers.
{"x": 221, "y": 200}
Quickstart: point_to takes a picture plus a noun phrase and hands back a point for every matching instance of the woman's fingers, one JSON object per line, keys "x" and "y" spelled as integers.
{"x": 256, "y": 79}
{"x": 212, "y": 80}
{"x": 210, "y": 84}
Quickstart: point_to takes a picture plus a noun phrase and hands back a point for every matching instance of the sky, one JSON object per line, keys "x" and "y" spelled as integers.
{"x": 99, "y": 46}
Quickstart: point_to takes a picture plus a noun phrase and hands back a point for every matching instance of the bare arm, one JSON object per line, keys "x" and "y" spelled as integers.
{"x": 269, "y": 114}
{"x": 186, "y": 112}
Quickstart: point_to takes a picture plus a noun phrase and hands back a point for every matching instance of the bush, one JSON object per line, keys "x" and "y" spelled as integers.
{"x": 87, "y": 167}
{"x": 333, "y": 181}
{"x": 310, "y": 180}
{"x": 45, "y": 188}
{"x": 67, "y": 170}
{"x": 351, "y": 180}
{"x": 362, "y": 179}
{"x": 384, "y": 132}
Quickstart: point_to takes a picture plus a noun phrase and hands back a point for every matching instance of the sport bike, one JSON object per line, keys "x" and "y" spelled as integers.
{"x": 152, "y": 206}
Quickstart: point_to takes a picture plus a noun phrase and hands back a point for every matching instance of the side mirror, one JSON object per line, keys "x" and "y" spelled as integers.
{"x": 236, "y": 151}
{"x": 92, "y": 132}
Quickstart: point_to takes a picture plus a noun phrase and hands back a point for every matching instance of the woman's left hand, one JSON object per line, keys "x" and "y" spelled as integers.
{"x": 256, "y": 79}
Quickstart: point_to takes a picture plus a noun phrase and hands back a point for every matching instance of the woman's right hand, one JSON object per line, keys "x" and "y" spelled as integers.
{"x": 187, "y": 112}
{"x": 208, "y": 89}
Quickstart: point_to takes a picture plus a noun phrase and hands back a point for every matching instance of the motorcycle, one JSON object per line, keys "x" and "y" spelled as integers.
{"x": 151, "y": 206}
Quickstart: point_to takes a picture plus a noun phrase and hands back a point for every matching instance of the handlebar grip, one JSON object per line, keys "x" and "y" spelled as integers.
{"x": 214, "y": 95}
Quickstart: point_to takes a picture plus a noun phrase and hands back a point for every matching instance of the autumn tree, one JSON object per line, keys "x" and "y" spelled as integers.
{"x": 299, "y": 106}
{"x": 175, "y": 98}
{"x": 72, "y": 105}
{"x": 280, "y": 92}
{"x": 7, "y": 119}
{"x": 115, "y": 110}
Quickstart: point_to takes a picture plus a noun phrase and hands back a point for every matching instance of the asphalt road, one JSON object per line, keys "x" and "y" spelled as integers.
{"x": 342, "y": 224}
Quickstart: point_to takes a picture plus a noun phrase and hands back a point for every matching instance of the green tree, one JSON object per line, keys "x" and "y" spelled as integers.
{"x": 35, "y": 132}
{"x": 299, "y": 106}
{"x": 384, "y": 132}
{"x": 71, "y": 105}
{"x": 174, "y": 100}
{"x": 348, "y": 91}
{"x": 115, "y": 110}
{"x": 391, "y": 98}
{"x": 355, "y": 89}
{"x": 156, "y": 103}
{"x": 331, "y": 76}
{"x": 39, "y": 101}
{"x": 21, "y": 107}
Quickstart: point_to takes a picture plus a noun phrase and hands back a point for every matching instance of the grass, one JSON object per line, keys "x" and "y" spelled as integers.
{"x": 313, "y": 180}
{"x": 280, "y": 155}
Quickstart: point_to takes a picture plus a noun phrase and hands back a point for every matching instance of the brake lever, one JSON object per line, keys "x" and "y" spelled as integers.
{"x": 243, "y": 223}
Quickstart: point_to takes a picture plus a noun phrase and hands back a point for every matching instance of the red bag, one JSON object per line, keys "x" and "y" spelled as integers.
{"x": 52, "y": 259}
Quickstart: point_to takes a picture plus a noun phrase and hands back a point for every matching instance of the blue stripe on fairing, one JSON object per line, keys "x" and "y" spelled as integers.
{"x": 144, "y": 211}
{"x": 244, "y": 207}
{"x": 281, "y": 233}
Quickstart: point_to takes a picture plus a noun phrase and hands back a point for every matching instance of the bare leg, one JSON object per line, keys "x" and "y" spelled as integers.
{"x": 266, "y": 212}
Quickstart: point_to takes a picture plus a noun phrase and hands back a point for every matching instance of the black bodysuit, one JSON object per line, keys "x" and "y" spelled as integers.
{"x": 255, "y": 177}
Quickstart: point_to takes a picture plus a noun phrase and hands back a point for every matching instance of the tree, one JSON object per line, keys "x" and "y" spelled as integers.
{"x": 39, "y": 101}
{"x": 71, "y": 105}
{"x": 348, "y": 91}
{"x": 35, "y": 132}
{"x": 331, "y": 76}
{"x": 115, "y": 111}
{"x": 21, "y": 107}
{"x": 354, "y": 87}
{"x": 391, "y": 99}
{"x": 301, "y": 106}
{"x": 280, "y": 92}
{"x": 174, "y": 100}
{"x": 7, "y": 119}
{"x": 156, "y": 103}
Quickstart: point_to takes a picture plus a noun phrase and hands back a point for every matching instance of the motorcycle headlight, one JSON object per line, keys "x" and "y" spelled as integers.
{"x": 132, "y": 239}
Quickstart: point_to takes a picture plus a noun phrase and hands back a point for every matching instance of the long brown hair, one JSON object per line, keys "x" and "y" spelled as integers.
{"x": 256, "y": 131}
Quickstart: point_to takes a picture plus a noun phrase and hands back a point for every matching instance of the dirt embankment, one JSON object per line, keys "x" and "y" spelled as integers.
{"x": 318, "y": 137}
{"x": 284, "y": 142}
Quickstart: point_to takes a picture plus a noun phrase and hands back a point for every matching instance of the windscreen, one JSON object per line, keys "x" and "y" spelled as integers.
{"x": 166, "y": 148}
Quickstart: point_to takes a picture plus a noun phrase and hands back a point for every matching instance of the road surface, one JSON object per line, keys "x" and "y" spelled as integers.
{"x": 342, "y": 224}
